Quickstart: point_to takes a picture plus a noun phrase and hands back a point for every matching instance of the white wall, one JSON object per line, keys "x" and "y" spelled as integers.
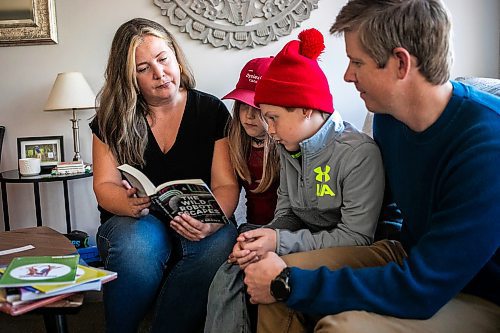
{"x": 86, "y": 28}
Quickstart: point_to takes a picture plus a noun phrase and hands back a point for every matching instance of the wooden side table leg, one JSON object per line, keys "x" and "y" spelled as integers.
{"x": 38, "y": 209}
{"x": 55, "y": 323}
{"x": 5, "y": 206}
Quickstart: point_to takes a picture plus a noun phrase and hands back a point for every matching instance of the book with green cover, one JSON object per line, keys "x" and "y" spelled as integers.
{"x": 40, "y": 270}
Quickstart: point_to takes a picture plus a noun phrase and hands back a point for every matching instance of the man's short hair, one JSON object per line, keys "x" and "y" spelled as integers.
{"x": 422, "y": 27}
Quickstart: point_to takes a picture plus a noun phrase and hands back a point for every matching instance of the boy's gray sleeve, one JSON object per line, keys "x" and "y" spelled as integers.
{"x": 362, "y": 195}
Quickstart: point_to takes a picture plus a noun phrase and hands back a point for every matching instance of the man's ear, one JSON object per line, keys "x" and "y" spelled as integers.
{"x": 403, "y": 59}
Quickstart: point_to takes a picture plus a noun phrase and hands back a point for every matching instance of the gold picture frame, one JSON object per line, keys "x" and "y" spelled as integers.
{"x": 27, "y": 22}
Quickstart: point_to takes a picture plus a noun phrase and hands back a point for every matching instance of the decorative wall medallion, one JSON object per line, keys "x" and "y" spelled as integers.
{"x": 236, "y": 23}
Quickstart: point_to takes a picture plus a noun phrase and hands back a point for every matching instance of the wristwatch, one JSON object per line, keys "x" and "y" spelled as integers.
{"x": 280, "y": 289}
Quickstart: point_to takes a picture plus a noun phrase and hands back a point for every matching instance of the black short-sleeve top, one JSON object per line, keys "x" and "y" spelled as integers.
{"x": 203, "y": 122}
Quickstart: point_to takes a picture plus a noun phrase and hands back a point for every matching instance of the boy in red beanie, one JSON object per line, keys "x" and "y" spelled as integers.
{"x": 331, "y": 178}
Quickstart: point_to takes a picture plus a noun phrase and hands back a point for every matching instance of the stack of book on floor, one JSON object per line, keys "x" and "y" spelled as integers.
{"x": 69, "y": 168}
{"x": 31, "y": 282}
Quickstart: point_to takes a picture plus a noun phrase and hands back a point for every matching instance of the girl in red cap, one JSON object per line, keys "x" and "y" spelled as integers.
{"x": 253, "y": 153}
{"x": 331, "y": 179}
{"x": 255, "y": 159}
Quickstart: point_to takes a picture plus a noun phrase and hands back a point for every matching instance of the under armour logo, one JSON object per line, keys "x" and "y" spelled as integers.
{"x": 323, "y": 177}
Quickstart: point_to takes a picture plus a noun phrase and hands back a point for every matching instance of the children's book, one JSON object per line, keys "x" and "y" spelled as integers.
{"x": 40, "y": 270}
{"x": 87, "y": 278}
{"x": 27, "y": 295}
{"x": 15, "y": 310}
{"x": 191, "y": 196}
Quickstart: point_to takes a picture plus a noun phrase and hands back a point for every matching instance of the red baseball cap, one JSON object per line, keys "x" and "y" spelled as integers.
{"x": 249, "y": 76}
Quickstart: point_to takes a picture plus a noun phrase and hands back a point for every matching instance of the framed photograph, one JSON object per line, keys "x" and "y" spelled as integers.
{"x": 49, "y": 149}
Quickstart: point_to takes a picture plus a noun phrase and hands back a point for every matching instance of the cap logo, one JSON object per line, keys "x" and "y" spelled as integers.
{"x": 252, "y": 77}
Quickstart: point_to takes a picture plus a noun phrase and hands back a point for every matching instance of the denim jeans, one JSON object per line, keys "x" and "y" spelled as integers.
{"x": 227, "y": 308}
{"x": 157, "y": 267}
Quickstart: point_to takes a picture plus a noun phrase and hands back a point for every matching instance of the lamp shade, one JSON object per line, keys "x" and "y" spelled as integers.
{"x": 70, "y": 91}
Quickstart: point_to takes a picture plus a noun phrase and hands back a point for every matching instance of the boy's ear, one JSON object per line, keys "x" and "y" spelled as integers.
{"x": 307, "y": 113}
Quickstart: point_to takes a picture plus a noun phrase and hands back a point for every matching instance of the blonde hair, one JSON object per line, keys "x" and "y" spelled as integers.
{"x": 422, "y": 27}
{"x": 240, "y": 144}
{"x": 122, "y": 111}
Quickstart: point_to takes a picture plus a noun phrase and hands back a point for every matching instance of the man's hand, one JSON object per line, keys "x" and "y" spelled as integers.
{"x": 193, "y": 229}
{"x": 258, "y": 277}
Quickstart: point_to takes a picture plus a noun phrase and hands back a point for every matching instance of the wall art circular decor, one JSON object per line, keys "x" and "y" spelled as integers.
{"x": 236, "y": 23}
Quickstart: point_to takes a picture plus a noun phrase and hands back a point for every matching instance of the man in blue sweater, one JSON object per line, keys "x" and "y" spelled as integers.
{"x": 440, "y": 143}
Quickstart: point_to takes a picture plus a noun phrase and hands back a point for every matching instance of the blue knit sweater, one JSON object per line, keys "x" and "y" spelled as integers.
{"x": 446, "y": 181}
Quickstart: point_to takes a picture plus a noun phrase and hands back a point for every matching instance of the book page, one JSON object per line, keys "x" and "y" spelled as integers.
{"x": 182, "y": 182}
{"x": 137, "y": 179}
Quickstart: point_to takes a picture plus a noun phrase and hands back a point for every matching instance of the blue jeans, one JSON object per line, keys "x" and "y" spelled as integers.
{"x": 157, "y": 267}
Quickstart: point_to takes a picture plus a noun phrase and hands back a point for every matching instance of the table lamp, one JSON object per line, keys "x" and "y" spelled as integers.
{"x": 71, "y": 92}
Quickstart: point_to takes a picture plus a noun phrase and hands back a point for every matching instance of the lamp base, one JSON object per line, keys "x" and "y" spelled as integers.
{"x": 76, "y": 138}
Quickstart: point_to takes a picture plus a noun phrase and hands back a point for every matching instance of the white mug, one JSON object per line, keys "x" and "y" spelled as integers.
{"x": 29, "y": 166}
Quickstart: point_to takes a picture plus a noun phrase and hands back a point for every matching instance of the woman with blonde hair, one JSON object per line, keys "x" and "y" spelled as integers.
{"x": 151, "y": 117}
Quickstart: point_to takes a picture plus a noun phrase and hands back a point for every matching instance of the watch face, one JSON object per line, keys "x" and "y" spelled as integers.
{"x": 280, "y": 289}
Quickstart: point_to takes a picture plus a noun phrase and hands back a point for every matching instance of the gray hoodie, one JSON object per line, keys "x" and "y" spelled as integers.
{"x": 333, "y": 197}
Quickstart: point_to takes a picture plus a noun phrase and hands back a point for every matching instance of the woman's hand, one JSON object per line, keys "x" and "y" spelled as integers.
{"x": 132, "y": 193}
{"x": 193, "y": 229}
{"x": 137, "y": 206}
{"x": 112, "y": 194}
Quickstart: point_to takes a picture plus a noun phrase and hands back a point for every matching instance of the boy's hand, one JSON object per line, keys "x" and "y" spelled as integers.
{"x": 260, "y": 241}
{"x": 242, "y": 257}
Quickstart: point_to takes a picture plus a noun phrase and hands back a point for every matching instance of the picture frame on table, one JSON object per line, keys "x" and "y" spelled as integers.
{"x": 49, "y": 149}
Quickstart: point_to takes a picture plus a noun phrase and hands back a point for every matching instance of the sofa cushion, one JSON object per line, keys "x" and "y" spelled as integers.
{"x": 489, "y": 85}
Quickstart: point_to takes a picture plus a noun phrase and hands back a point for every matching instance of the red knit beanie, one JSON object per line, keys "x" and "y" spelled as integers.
{"x": 294, "y": 78}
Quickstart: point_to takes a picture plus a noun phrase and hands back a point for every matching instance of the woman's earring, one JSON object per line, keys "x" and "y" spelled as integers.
{"x": 180, "y": 68}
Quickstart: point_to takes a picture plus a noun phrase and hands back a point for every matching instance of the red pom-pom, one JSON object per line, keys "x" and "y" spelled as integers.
{"x": 312, "y": 43}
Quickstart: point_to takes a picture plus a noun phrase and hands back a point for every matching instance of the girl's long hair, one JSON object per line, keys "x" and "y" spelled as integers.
{"x": 240, "y": 144}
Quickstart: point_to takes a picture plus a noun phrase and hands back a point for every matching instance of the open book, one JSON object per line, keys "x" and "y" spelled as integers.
{"x": 191, "y": 196}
